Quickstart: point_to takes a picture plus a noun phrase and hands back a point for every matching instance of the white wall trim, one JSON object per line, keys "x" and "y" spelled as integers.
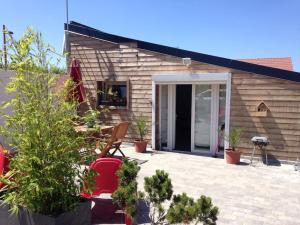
{"x": 193, "y": 119}
{"x": 171, "y": 80}
{"x": 191, "y": 78}
{"x": 153, "y": 115}
{"x": 160, "y": 120}
{"x": 227, "y": 110}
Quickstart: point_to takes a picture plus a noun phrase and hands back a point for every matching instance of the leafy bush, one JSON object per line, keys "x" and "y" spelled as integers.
{"x": 46, "y": 172}
{"x": 126, "y": 196}
{"x": 142, "y": 127}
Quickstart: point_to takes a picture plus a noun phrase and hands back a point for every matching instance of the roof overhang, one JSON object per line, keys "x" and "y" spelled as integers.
{"x": 195, "y": 56}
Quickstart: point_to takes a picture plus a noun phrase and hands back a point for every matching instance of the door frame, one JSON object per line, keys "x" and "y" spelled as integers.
{"x": 208, "y": 78}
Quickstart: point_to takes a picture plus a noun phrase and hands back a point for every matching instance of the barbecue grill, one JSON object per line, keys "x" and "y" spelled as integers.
{"x": 261, "y": 143}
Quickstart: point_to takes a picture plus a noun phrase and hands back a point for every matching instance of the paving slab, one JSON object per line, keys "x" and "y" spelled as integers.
{"x": 245, "y": 194}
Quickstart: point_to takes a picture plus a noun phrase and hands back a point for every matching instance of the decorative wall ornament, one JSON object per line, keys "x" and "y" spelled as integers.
{"x": 262, "y": 109}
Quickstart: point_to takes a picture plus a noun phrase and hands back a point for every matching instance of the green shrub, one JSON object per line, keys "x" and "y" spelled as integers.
{"x": 158, "y": 189}
{"x": 182, "y": 209}
{"x": 46, "y": 174}
{"x": 126, "y": 196}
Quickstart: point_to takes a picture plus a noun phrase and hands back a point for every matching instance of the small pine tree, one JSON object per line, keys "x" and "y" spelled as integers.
{"x": 158, "y": 189}
{"x": 184, "y": 210}
{"x": 126, "y": 196}
{"x": 206, "y": 212}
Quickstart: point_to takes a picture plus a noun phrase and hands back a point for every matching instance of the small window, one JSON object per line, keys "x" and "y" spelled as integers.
{"x": 113, "y": 93}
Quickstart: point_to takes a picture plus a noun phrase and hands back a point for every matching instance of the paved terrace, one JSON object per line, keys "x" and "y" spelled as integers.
{"x": 257, "y": 194}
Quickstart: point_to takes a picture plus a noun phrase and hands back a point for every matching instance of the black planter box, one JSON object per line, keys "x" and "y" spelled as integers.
{"x": 81, "y": 215}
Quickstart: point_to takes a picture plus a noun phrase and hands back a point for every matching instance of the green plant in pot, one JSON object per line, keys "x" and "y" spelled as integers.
{"x": 142, "y": 129}
{"x": 44, "y": 182}
{"x": 90, "y": 118}
{"x": 232, "y": 154}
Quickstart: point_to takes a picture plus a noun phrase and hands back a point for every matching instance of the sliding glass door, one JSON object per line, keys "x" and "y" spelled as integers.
{"x": 206, "y": 122}
{"x": 202, "y": 117}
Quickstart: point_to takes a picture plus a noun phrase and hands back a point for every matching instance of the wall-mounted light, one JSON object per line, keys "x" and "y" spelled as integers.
{"x": 186, "y": 61}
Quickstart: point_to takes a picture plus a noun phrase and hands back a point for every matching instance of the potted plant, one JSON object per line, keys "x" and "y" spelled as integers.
{"x": 126, "y": 196}
{"x": 43, "y": 184}
{"x": 233, "y": 155}
{"x": 90, "y": 118}
{"x": 142, "y": 129}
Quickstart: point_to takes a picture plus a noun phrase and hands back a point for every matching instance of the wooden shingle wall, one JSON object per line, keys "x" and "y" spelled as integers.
{"x": 102, "y": 60}
{"x": 282, "y": 123}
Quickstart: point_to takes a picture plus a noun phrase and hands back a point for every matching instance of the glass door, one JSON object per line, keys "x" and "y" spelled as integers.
{"x": 202, "y": 124}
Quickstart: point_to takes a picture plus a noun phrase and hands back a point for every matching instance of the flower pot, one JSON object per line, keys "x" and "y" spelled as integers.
{"x": 140, "y": 146}
{"x": 128, "y": 220}
{"x": 81, "y": 215}
{"x": 232, "y": 157}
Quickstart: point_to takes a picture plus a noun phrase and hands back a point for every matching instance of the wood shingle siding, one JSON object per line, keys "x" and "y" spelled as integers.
{"x": 102, "y": 60}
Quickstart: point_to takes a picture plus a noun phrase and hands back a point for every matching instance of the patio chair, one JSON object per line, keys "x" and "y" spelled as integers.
{"x": 107, "y": 180}
{"x": 2, "y": 162}
{"x": 115, "y": 140}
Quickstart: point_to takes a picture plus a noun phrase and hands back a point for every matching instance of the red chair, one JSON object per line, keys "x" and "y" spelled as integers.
{"x": 107, "y": 180}
{"x": 2, "y": 162}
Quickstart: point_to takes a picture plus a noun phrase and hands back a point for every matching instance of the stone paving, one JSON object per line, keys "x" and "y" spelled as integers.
{"x": 245, "y": 195}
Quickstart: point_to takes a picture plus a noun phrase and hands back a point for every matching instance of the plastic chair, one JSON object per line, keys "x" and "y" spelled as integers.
{"x": 2, "y": 160}
{"x": 2, "y": 163}
{"x": 107, "y": 180}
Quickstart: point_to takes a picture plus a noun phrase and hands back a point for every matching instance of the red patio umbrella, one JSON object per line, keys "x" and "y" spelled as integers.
{"x": 75, "y": 74}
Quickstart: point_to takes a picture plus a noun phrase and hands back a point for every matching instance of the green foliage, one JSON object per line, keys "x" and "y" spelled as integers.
{"x": 90, "y": 117}
{"x": 185, "y": 210}
{"x": 182, "y": 209}
{"x": 126, "y": 196}
{"x": 158, "y": 189}
{"x": 57, "y": 70}
{"x": 46, "y": 172}
{"x": 142, "y": 127}
{"x": 234, "y": 137}
{"x": 206, "y": 212}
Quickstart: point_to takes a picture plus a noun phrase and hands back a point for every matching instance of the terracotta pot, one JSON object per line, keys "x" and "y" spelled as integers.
{"x": 232, "y": 157}
{"x": 128, "y": 220}
{"x": 140, "y": 146}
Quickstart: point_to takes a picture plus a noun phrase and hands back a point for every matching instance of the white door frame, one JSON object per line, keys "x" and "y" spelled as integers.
{"x": 207, "y": 78}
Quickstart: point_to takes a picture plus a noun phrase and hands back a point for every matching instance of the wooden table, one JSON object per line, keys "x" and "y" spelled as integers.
{"x": 103, "y": 129}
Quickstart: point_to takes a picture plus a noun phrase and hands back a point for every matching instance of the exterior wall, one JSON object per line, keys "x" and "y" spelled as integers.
{"x": 102, "y": 61}
{"x": 282, "y": 123}
{"x": 5, "y": 77}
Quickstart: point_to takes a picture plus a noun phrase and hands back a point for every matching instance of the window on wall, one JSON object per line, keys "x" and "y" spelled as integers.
{"x": 113, "y": 93}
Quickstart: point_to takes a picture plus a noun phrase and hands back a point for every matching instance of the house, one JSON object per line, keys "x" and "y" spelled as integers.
{"x": 190, "y": 99}
{"x": 5, "y": 77}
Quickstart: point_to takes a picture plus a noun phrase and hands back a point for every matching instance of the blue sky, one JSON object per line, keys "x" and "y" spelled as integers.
{"x": 227, "y": 28}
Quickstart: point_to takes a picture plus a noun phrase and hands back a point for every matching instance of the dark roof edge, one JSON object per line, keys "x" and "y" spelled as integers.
{"x": 200, "y": 57}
